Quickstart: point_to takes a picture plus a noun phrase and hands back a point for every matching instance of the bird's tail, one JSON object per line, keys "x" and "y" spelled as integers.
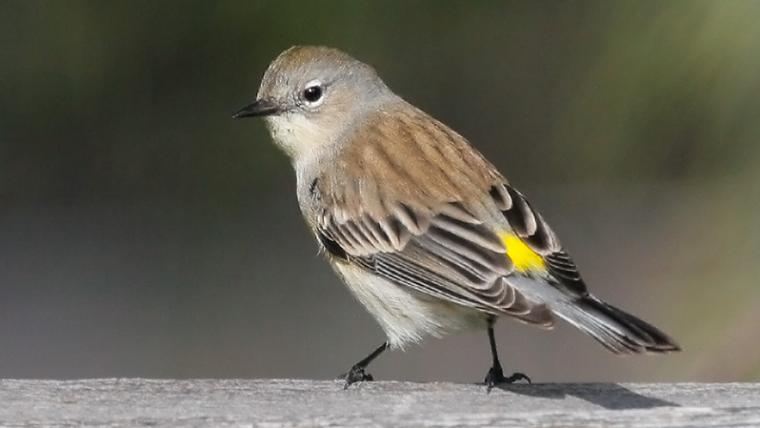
{"x": 617, "y": 330}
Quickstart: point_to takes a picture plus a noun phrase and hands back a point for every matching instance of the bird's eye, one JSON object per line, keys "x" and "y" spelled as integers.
{"x": 313, "y": 93}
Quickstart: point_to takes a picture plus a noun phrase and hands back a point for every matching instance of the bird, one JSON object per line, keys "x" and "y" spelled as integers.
{"x": 424, "y": 231}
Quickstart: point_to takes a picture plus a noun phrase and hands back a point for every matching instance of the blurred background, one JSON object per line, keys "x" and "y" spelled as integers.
{"x": 143, "y": 232}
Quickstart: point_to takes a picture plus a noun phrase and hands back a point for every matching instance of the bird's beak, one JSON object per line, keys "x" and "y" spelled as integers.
{"x": 260, "y": 107}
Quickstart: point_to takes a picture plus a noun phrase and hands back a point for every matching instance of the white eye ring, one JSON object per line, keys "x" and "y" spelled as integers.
{"x": 313, "y": 93}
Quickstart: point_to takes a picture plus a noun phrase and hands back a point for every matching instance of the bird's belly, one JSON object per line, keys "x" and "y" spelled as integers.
{"x": 406, "y": 316}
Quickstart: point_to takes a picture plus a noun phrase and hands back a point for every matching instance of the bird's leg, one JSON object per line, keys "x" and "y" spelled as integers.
{"x": 495, "y": 375}
{"x": 357, "y": 373}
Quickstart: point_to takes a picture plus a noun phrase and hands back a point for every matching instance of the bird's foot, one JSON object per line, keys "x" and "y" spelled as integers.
{"x": 356, "y": 374}
{"x": 496, "y": 377}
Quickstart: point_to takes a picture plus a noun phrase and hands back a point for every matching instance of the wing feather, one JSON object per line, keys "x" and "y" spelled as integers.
{"x": 417, "y": 205}
{"x": 530, "y": 226}
{"x": 450, "y": 259}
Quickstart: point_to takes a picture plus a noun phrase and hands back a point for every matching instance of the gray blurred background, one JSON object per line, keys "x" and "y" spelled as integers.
{"x": 145, "y": 233}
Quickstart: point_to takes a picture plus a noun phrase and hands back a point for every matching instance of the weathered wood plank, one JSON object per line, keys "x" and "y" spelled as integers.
{"x": 295, "y": 403}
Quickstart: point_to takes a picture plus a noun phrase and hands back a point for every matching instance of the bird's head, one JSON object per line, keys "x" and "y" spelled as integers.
{"x": 311, "y": 96}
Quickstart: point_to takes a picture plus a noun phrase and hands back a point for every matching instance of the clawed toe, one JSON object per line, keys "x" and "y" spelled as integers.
{"x": 496, "y": 377}
{"x": 356, "y": 374}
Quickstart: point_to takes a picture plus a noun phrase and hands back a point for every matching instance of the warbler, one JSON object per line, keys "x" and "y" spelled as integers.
{"x": 423, "y": 230}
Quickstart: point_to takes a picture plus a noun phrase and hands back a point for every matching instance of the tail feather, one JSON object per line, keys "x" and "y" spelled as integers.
{"x": 615, "y": 329}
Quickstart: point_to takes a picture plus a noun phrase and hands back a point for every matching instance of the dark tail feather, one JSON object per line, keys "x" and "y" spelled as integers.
{"x": 617, "y": 330}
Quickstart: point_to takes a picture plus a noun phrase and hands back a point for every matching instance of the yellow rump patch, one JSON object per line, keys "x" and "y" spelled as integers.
{"x": 522, "y": 256}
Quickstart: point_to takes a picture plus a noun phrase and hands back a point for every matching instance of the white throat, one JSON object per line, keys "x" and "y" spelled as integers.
{"x": 302, "y": 139}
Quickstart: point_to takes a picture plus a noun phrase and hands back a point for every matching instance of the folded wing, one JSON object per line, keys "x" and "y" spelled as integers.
{"x": 450, "y": 255}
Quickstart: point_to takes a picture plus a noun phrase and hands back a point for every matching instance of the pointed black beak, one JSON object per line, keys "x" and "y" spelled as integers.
{"x": 262, "y": 107}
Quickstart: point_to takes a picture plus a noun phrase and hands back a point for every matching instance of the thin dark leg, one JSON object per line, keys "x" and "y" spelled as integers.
{"x": 494, "y": 353}
{"x": 495, "y": 375}
{"x": 357, "y": 373}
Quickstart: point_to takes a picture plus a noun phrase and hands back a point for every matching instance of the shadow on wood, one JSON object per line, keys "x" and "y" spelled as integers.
{"x": 607, "y": 395}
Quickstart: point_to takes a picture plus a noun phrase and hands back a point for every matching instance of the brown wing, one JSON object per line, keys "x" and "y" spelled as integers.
{"x": 406, "y": 204}
{"x": 455, "y": 260}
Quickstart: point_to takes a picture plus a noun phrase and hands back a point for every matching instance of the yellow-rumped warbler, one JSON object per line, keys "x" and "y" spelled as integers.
{"x": 423, "y": 230}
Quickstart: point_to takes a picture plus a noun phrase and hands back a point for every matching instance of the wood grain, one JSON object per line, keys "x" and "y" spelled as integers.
{"x": 302, "y": 403}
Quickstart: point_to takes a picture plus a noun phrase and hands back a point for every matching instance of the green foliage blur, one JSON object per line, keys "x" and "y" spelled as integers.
{"x": 143, "y": 232}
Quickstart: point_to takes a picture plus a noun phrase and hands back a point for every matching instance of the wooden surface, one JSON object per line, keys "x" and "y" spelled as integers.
{"x": 275, "y": 403}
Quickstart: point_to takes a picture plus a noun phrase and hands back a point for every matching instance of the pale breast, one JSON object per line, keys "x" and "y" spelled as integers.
{"x": 405, "y": 316}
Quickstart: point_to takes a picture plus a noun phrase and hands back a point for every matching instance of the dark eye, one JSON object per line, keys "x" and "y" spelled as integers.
{"x": 312, "y": 93}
